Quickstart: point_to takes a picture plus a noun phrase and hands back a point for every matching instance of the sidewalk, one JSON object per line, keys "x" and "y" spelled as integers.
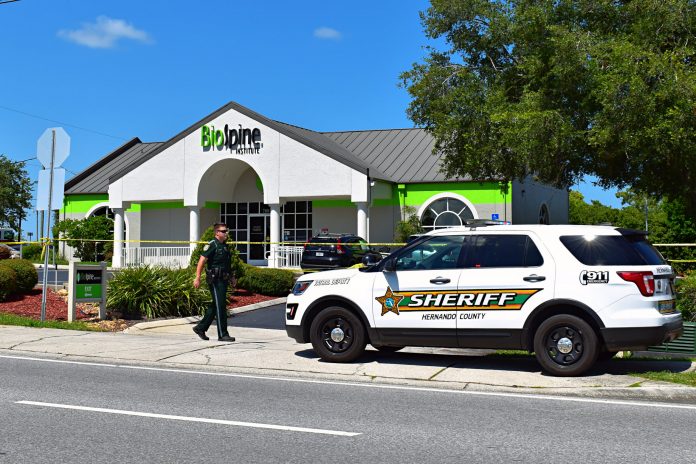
{"x": 172, "y": 344}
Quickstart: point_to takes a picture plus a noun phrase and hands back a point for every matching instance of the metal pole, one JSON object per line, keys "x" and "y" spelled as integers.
{"x": 646, "y": 213}
{"x": 48, "y": 228}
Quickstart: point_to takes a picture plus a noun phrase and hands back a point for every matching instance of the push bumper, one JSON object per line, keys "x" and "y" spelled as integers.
{"x": 637, "y": 338}
{"x": 295, "y": 332}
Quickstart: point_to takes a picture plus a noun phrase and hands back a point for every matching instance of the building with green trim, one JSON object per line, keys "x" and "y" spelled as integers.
{"x": 280, "y": 184}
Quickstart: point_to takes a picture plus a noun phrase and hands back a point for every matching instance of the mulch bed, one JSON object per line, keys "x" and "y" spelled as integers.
{"x": 29, "y": 305}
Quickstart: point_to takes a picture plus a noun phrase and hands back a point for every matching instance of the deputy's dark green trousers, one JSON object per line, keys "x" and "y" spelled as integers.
{"x": 217, "y": 309}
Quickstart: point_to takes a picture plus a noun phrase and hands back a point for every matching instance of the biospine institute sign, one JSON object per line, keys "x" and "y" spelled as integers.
{"x": 241, "y": 141}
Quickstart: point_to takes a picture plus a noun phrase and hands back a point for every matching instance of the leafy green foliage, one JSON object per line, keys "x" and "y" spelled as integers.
{"x": 277, "y": 282}
{"x": 668, "y": 222}
{"x": 562, "y": 89}
{"x": 686, "y": 297}
{"x": 8, "y": 282}
{"x": 26, "y": 275}
{"x": 15, "y": 192}
{"x": 156, "y": 292}
{"x": 32, "y": 252}
{"x": 81, "y": 233}
{"x": 409, "y": 226}
{"x": 208, "y": 235}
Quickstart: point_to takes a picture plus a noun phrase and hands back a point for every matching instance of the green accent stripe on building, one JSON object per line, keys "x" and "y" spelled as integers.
{"x": 475, "y": 192}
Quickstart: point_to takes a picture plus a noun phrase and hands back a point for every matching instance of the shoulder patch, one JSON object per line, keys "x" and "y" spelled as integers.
{"x": 205, "y": 248}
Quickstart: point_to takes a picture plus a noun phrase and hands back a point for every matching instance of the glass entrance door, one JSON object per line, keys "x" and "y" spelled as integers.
{"x": 259, "y": 231}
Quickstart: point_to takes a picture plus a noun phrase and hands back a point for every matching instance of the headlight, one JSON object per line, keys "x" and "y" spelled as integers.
{"x": 301, "y": 286}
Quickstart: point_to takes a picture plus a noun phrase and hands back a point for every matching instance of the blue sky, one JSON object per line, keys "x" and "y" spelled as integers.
{"x": 108, "y": 71}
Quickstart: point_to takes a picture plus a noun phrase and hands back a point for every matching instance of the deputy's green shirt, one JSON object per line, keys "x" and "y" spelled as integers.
{"x": 218, "y": 255}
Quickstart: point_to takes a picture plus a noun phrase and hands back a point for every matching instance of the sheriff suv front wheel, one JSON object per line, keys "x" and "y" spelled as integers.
{"x": 337, "y": 335}
{"x": 565, "y": 345}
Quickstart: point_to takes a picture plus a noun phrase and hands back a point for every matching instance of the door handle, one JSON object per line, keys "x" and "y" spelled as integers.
{"x": 534, "y": 278}
{"x": 439, "y": 280}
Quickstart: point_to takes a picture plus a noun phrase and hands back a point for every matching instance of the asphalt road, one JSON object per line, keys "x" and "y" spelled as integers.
{"x": 154, "y": 415}
{"x": 271, "y": 317}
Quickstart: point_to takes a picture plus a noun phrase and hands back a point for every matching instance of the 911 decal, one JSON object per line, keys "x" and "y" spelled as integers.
{"x": 456, "y": 300}
{"x": 594, "y": 277}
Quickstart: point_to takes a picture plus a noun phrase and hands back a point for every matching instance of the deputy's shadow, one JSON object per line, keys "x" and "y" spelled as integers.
{"x": 511, "y": 363}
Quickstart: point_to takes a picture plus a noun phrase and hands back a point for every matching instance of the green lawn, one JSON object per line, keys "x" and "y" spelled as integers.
{"x": 11, "y": 319}
{"x": 684, "y": 378}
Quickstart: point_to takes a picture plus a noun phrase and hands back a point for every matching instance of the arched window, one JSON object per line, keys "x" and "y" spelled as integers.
{"x": 103, "y": 211}
{"x": 444, "y": 212}
{"x": 544, "y": 215}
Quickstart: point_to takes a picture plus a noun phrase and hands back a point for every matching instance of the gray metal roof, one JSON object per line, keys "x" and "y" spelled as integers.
{"x": 404, "y": 155}
{"x": 95, "y": 179}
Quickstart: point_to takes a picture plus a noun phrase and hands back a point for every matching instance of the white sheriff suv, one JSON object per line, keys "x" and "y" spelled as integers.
{"x": 570, "y": 294}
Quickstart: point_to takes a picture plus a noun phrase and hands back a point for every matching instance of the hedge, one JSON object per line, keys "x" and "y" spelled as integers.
{"x": 8, "y": 282}
{"x": 686, "y": 297}
{"x": 31, "y": 252}
{"x": 266, "y": 281}
{"x": 26, "y": 274}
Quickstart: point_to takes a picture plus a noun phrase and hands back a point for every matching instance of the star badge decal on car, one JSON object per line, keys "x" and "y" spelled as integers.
{"x": 390, "y": 302}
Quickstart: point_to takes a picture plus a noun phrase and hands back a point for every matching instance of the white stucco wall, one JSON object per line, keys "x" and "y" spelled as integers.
{"x": 287, "y": 168}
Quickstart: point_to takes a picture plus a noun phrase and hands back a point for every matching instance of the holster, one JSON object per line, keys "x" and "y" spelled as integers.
{"x": 216, "y": 274}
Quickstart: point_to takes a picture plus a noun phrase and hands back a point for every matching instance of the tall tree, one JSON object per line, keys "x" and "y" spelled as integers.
{"x": 15, "y": 192}
{"x": 562, "y": 88}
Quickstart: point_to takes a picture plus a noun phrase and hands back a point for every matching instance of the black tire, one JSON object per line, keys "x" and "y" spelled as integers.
{"x": 347, "y": 344}
{"x": 565, "y": 332}
{"x": 387, "y": 349}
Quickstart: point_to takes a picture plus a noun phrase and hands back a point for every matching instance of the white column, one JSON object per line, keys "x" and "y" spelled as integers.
{"x": 362, "y": 218}
{"x": 275, "y": 234}
{"x": 117, "y": 260}
{"x": 194, "y": 226}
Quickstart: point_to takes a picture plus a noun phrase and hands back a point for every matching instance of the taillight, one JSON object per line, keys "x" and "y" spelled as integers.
{"x": 643, "y": 279}
{"x": 339, "y": 248}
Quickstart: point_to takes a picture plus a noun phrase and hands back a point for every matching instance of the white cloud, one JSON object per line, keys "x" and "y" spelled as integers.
{"x": 104, "y": 33}
{"x": 327, "y": 33}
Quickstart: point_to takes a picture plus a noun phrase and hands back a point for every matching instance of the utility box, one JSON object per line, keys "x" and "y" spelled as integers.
{"x": 86, "y": 284}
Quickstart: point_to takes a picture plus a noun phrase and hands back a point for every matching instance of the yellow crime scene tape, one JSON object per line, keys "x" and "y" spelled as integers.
{"x": 45, "y": 242}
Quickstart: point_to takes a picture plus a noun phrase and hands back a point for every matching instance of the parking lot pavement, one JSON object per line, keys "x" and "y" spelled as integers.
{"x": 269, "y": 351}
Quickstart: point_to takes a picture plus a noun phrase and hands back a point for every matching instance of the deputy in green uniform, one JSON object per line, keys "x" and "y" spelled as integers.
{"x": 218, "y": 274}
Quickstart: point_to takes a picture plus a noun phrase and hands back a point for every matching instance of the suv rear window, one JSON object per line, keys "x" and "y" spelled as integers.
{"x": 323, "y": 240}
{"x": 612, "y": 250}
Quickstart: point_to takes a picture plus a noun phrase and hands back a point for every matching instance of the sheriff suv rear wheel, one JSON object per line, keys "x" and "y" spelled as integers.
{"x": 565, "y": 345}
{"x": 337, "y": 335}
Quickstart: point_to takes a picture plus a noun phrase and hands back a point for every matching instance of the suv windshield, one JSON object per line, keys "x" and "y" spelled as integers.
{"x": 612, "y": 250}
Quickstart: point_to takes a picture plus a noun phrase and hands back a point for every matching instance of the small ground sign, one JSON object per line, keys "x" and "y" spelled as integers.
{"x": 87, "y": 284}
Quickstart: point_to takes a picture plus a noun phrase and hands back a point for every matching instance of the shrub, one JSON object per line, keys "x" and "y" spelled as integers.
{"x": 5, "y": 252}
{"x": 27, "y": 277}
{"x": 156, "y": 292}
{"x": 8, "y": 282}
{"x": 686, "y": 297}
{"x": 409, "y": 225}
{"x": 32, "y": 252}
{"x": 277, "y": 282}
{"x": 208, "y": 235}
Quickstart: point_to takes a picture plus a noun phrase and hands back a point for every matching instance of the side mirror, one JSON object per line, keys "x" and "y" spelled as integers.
{"x": 371, "y": 259}
{"x": 389, "y": 265}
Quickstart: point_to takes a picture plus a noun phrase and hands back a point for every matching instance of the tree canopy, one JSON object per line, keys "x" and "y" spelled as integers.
{"x": 561, "y": 89}
{"x": 15, "y": 192}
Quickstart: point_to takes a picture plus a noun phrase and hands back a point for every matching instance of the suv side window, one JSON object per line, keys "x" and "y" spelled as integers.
{"x": 503, "y": 251}
{"x": 436, "y": 253}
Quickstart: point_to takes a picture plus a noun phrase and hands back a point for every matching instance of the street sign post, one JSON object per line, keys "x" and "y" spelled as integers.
{"x": 86, "y": 284}
{"x": 52, "y": 149}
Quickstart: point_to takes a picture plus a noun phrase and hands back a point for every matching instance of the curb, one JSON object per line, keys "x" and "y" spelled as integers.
{"x": 193, "y": 319}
